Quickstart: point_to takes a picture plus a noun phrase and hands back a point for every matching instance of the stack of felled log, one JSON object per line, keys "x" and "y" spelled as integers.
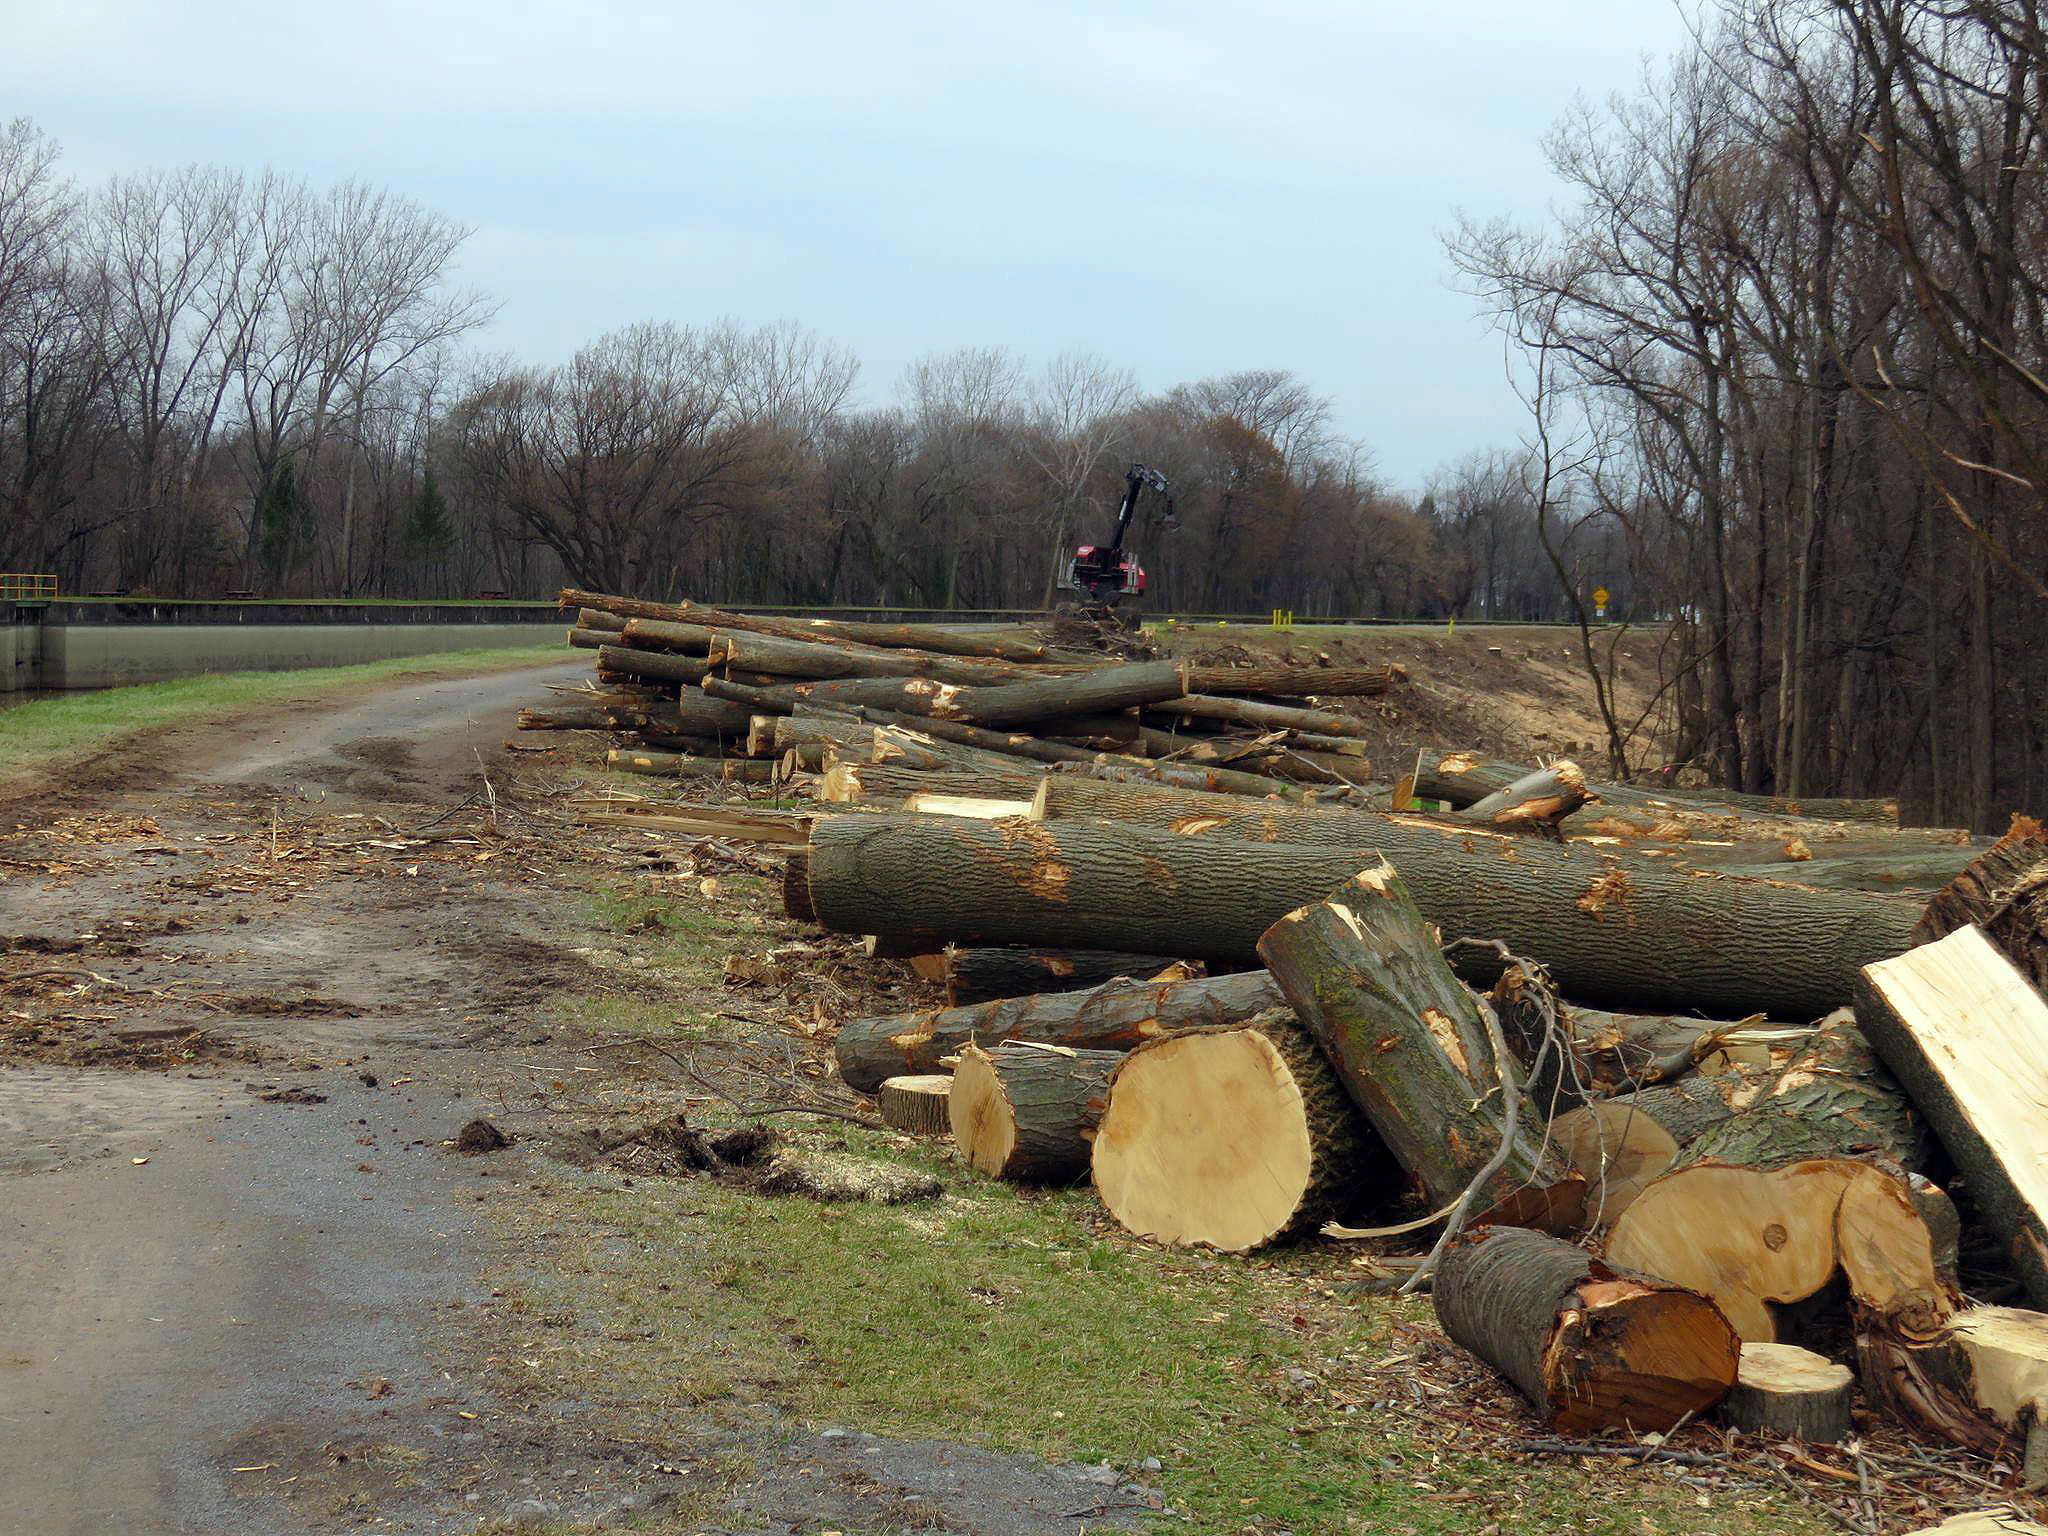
{"x": 693, "y": 690}
{"x": 1673, "y": 1134}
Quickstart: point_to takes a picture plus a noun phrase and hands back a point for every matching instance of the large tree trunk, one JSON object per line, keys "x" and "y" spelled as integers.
{"x": 1593, "y": 1348}
{"x": 1968, "y": 1037}
{"x": 1026, "y": 1112}
{"x": 1757, "y": 1239}
{"x": 811, "y": 660}
{"x": 1641, "y": 936}
{"x": 1117, "y": 1016}
{"x": 981, "y": 975}
{"x": 1982, "y": 1384}
{"x": 1364, "y": 975}
{"x": 2005, "y": 891}
{"x": 1234, "y": 1137}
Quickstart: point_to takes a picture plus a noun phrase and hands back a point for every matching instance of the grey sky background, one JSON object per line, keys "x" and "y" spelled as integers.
{"x": 1187, "y": 189}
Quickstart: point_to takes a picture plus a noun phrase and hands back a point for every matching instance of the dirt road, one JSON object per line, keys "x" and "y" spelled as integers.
{"x": 252, "y": 983}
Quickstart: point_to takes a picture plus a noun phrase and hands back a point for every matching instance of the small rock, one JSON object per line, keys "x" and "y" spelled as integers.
{"x": 1300, "y": 1377}
{"x": 833, "y": 1434}
{"x": 1150, "y": 1464}
{"x": 1104, "y": 1474}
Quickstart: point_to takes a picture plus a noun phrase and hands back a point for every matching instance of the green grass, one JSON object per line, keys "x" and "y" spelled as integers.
{"x": 47, "y": 732}
{"x": 1007, "y": 1320}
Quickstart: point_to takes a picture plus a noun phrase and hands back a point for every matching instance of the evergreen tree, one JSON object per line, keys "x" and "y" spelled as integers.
{"x": 429, "y": 532}
{"x": 284, "y": 520}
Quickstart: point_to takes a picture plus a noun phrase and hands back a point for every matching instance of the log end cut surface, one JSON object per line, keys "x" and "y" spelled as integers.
{"x": 984, "y": 1128}
{"x": 1639, "y": 1356}
{"x": 1206, "y": 1140}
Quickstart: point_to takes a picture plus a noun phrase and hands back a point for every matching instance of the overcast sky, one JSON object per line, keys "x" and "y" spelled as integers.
{"x": 1187, "y": 188}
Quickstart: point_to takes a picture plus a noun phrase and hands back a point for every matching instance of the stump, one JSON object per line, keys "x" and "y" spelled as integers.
{"x": 1781, "y": 1389}
{"x": 1026, "y": 1112}
{"x": 1593, "y": 1348}
{"x": 916, "y": 1104}
{"x": 1233, "y": 1137}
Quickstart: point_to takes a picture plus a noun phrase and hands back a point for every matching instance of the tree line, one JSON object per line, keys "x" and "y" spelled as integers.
{"x": 1787, "y": 332}
{"x": 212, "y": 382}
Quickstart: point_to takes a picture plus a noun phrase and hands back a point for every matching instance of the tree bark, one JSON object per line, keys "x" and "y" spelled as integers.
{"x": 1009, "y": 743}
{"x": 1592, "y": 1348}
{"x": 1363, "y": 973}
{"x": 1646, "y": 937}
{"x": 1463, "y": 778}
{"x": 1963, "y": 1030}
{"x": 1026, "y": 1112}
{"x": 664, "y": 665}
{"x": 1234, "y": 1137}
{"x": 1981, "y": 1384}
{"x": 2005, "y": 891}
{"x": 1115, "y": 1016}
{"x": 676, "y": 765}
{"x": 982, "y": 975}
{"x": 1538, "y": 800}
{"x": 653, "y": 634}
{"x": 815, "y": 661}
{"x": 1253, "y": 712}
{"x": 889, "y": 784}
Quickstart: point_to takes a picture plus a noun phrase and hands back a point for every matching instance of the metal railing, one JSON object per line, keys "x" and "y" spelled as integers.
{"x": 27, "y": 587}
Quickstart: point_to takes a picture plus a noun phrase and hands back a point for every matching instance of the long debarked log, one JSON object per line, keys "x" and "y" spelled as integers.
{"x": 1967, "y": 1036}
{"x": 1648, "y": 938}
{"x": 983, "y": 975}
{"x": 1592, "y": 1348}
{"x": 1363, "y": 973}
{"x": 1235, "y": 1136}
{"x": 1118, "y": 1016}
{"x": 1025, "y": 1112}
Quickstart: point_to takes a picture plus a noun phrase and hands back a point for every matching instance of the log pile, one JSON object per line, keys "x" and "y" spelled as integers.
{"x": 689, "y": 690}
{"x": 1663, "y": 1089}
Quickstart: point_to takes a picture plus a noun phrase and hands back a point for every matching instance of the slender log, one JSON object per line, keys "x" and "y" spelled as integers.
{"x": 1279, "y": 680}
{"x": 1363, "y": 973}
{"x": 592, "y": 639}
{"x": 2004, "y": 891}
{"x": 1538, "y": 800}
{"x": 928, "y": 637}
{"x": 916, "y": 749}
{"x": 661, "y": 664}
{"x": 657, "y": 635}
{"x": 596, "y": 618}
{"x": 1760, "y": 1239}
{"x": 1234, "y": 1137}
{"x": 1959, "y": 1025}
{"x": 579, "y": 719}
{"x": 1592, "y": 1348}
{"x": 1783, "y": 1390}
{"x": 816, "y": 661}
{"x": 1115, "y": 1016}
{"x": 917, "y": 1104}
{"x": 1463, "y": 778}
{"x": 1647, "y": 937}
{"x": 1026, "y": 1112}
{"x": 1198, "y": 706}
{"x": 1131, "y": 770}
{"x": 1012, "y": 743}
{"x": 889, "y": 784}
{"x": 676, "y": 765}
{"x": 1194, "y": 813}
{"x": 980, "y": 975}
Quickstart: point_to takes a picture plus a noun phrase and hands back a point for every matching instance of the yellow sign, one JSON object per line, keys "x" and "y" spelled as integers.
{"x": 1600, "y": 597}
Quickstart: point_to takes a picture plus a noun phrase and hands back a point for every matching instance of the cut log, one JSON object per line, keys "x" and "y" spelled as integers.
{"x": 664, "y": 665}
{"x": 1199, "y": 706}
{"x": 1116, "y": 1016}
{"x": 928, "y": 637}
{"x": 1364, "y": 975}
{"x": 1536, "y": 801}
{"x": 1460, "y": 779}
{"x": 593, "y": 618}
{"x": 1194, "y": 813}
{"x": 1968, "y": 1037}
{"x": 1026, "y": 1112}
{"x": 1003, "y": 704}
{"x": 1280, "y": 681}
{"x": 980, "y": 975}
{"x": 1759, "y": 1238}
{"x": 1010, "y": 743}
{"x": 917, "y": 1104}
{"x": 1644, "y": 938}
{"x": 1592, "y": 1348}
{"x": 927, "y": 803}
{"x": 678, "y": 765}
{"x": 1213, "y": 779}
{"x": 2005, "y": 892}
{"x": 1234, "y": 1137}
{"x": 1982, "y": 1383}
{"x": 888, "y": 784}
{"x": 1781, "y": 1389}
{"x": 817, "y": 661}
{"x": 922, "y": 751}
